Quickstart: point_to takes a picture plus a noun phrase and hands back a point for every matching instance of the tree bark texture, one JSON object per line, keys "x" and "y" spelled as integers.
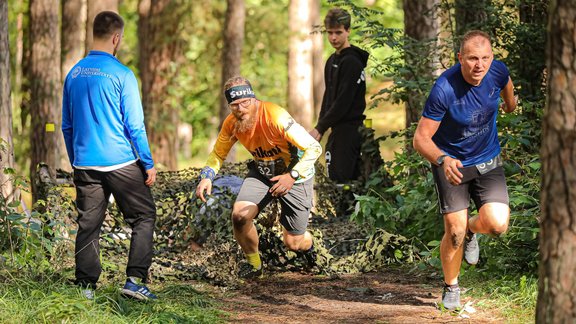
{"x": 6, "y": 146}
{"x": 233, "y": 36}
{"x": 161, "y": 49}
{"x": 46, "y": 140}
{"x": 421, "y": 27}
{"x": 94, "y": 8}
{"x": 557, "y": 283}
{"x": 300, "y": 72}
{"x": 317, "y": 57}
{"x": 73, "y": 33}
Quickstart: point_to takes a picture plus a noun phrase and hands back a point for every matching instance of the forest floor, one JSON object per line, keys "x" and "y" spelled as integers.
{"x": 392, "y": 294}
{"x": 387, "y": 296}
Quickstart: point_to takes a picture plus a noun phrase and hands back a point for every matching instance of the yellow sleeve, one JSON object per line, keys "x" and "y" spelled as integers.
{"x": 299, "y": 137}
{"x": 224, "y": 143}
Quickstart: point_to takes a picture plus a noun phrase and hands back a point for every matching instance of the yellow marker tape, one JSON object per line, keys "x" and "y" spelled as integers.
{"x": 368, "y": 123}
{"x": 49, "y": 127}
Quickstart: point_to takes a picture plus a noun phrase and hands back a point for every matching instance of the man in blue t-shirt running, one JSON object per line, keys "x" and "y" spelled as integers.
{"x": 457, "y": 134}
{"x": 103, "y": 127}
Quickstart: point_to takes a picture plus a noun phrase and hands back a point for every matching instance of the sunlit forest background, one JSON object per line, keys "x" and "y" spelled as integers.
{"x": 192, "y": 92}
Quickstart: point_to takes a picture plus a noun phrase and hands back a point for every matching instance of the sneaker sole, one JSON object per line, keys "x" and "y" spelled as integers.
{"x": 133, "y": 294}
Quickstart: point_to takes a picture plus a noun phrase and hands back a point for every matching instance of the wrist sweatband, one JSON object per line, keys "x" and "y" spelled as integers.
{"x": 239, "y": 92}
{"x": 207, "y": 173}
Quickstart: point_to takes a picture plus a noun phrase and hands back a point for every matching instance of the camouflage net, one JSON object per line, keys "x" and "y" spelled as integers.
{"x": 182, "y": 220}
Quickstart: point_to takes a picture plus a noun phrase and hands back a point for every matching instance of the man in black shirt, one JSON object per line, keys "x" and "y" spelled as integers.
{"x": 344, "y": 100}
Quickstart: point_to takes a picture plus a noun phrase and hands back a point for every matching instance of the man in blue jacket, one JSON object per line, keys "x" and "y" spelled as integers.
{"x": 103, "y": 126}
{"x": 457, "y": 134}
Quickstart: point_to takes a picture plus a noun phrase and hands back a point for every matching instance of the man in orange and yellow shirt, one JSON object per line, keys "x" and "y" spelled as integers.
{"x": 283, "y": 168}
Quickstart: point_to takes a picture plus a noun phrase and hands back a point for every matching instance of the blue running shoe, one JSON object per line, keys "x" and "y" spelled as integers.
{"x": 134, "y": 290}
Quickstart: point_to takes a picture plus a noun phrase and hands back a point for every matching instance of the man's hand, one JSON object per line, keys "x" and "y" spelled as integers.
{"x": 151, "y": 177}
{"x": 316, "y": 134}
{"x": 508, "y": 108}
{"x": 284, "y": 183}
{"x": 451, "y": 171}
{"x": 204, "y": 185}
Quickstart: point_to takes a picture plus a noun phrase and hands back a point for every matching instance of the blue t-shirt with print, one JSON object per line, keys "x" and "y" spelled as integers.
{"x": 467, "y": 113}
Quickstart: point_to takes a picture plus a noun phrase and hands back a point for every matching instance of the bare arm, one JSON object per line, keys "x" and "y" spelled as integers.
{"x": 507, "y": 94}
{"x": 427, "y": 148}
{"x": 423, "y": 139}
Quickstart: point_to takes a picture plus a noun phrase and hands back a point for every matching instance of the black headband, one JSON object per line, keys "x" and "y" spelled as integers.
{"x": 239, "y": 92}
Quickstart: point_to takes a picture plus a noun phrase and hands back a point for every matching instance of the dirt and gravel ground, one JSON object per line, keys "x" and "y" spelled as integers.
{"x": 386, "y": 296}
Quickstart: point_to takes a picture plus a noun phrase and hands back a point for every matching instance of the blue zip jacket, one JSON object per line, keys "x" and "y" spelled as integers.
{"x": 102, "y": 116}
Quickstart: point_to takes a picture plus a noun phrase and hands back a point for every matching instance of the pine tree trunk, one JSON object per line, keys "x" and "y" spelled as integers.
{"x": 421, "y": 26}
{"x": 160, "y": 50}
{"x": 45, "y": 84}
{"x": 6, "y": 147}
{"x": 300, "y": 72}
{"x": 317, "y": 57}
{"x": 557, "y": 284}
{"x": 233, "y": 36}
{"x": 73, "y": 33}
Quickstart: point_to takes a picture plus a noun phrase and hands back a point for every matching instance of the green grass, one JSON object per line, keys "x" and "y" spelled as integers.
{"x": 29, "y": 300}
{"x": 514, "y": 297}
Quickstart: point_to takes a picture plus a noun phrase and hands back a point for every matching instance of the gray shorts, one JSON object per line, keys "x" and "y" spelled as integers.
{"x": 295, "y": 205}
{"x": 482, "y": 188}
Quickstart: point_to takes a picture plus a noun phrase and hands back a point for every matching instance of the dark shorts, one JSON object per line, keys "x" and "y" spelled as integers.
{"x": 296, "y": 204}
{"x": 482, "y": 188}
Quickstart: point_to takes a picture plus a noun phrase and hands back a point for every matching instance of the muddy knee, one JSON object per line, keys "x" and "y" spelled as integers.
{"x": 457, "y": 239}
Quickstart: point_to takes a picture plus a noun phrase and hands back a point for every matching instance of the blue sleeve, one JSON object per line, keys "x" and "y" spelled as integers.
{"x": 133, "y": 118}
{"x": 501, "y": 73}
{"x": 435, "y": 106}
{"x": 67, "y": 123}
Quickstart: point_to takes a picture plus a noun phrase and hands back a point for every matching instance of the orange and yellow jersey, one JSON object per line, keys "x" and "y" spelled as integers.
{"x": 275, "y": 139}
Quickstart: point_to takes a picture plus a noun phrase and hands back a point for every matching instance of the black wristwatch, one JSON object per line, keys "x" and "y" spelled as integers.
{"x": 294, "y": 174}
{"x": 440, "y": 159}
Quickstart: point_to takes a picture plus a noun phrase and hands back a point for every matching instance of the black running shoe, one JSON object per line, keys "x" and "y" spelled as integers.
{"x": 471, "y": 249}
{"x": 311, "y": 257}
{"x": 247, "y": 271}
{"x": 451, "y": 298}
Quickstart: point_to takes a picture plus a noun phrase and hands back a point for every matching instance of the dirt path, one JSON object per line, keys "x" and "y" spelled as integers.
{"x": 389, "y": 296}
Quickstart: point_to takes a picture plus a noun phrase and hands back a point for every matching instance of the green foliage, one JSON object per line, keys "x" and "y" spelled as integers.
{"x": 406, "y": 206}
{"x": 34, "y": 239}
